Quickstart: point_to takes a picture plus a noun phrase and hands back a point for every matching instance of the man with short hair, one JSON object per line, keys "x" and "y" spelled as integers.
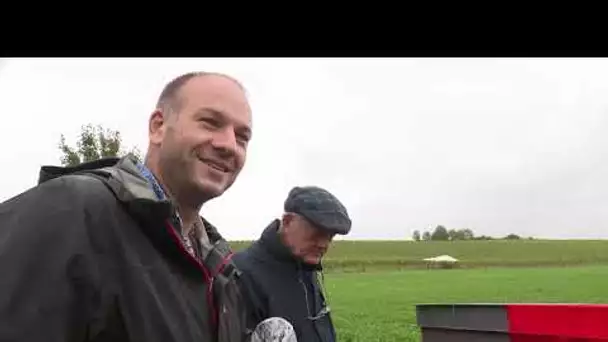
{"x": 115, "y": 250}
{"x": 280, "y": 268}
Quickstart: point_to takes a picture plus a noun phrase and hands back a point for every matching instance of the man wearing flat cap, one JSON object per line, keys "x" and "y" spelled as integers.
{"x": 280, "y": 268}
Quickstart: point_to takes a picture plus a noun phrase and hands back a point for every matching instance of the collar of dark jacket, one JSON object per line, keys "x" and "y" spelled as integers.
{"x": 124, "y": 177}
{"x": 271, "y": 241}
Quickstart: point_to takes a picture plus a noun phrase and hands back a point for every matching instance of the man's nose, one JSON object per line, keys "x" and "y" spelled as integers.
{"x": 323, "y": 244}
{"x": 225, "y": 140}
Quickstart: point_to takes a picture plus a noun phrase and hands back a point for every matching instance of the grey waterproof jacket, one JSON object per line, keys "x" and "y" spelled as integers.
{"x": 91, "y": 254}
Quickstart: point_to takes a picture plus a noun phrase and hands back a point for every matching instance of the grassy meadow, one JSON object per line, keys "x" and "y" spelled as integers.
{"x": 373, "y": 286}
{"x": 381, "y": 307}
{"x": 362, "y": 256}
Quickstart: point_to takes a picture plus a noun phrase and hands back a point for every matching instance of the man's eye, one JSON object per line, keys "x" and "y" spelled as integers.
{"x": 211, "y": 122}
{"x": 243, "y": 138}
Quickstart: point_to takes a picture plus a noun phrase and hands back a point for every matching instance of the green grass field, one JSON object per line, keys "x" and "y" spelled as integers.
{"x": 381, "y": 306}
{"x": 373, "y": 286}
{"x": 390, "y": 255}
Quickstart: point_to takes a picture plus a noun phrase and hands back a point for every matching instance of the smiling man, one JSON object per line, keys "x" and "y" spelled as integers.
{"x": 198, "y": 142}
{"x": 280, "y": 269}
{"x": 115, "y": 250}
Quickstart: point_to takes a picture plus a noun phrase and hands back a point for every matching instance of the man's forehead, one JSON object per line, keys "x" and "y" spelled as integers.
{"x": 214, "y": 86}
{"x": 217, "y": 93}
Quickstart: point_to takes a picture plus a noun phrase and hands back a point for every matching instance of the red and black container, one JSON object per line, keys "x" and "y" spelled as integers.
{"x": 513, "y": 322}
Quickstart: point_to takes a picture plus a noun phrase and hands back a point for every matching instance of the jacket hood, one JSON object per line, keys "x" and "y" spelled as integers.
{"x": 121, "y": 172}
{"x": 122, "y": 176}
{"x": 129, "y": 186}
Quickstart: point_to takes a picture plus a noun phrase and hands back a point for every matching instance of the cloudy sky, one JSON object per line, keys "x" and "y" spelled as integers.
{"x": 495, "y": 145}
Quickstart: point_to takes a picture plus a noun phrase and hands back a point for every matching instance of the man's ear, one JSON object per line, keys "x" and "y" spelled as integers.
{"x": 156, "y": 126}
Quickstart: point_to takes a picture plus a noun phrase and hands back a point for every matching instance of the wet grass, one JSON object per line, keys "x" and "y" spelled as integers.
{"x": 380, "y": 306}
{"x": 363, "y": 256}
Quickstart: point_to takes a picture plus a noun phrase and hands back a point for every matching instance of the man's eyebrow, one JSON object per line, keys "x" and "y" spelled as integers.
{"x": 243, "y": 129}
{"x": 211, "y": 111}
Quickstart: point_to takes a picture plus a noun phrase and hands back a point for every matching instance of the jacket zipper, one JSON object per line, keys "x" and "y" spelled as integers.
{"x": 206, "y": 275}
{"x": 303, "y": 281}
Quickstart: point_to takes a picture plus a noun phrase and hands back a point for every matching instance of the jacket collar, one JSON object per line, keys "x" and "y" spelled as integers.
{"x": 124, "y": 177}
{"x": 132, "y": 183}
{"x": 271, "y": 241}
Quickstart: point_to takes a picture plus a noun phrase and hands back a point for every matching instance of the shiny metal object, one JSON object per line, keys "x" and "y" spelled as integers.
{"x": 274, "y": 329}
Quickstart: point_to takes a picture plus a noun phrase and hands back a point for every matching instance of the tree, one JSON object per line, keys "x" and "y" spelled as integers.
{"x": 95, "y": 142}
{"x": 460, "y": 234}
{"x": 416, "y": 235}
{"x": 512, "y": 237}
{"x": 426, "y": 236}
{"x": 440, "y": 234}
{"x": 467, "y": 234}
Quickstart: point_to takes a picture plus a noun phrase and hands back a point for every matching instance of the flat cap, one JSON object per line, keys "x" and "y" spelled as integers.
{"x": 319, "y": 207}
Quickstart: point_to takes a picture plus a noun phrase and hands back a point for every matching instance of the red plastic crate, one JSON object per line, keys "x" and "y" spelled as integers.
{"x": 558, "y": 322}
{"x": 513, "y": 322}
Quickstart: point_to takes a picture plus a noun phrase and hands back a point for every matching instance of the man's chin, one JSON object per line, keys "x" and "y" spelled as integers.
{"x": 211, "y": 190}
{"x": 312, "y": 260}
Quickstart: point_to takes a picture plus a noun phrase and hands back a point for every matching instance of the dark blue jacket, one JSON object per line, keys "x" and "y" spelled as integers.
{"x": 280, "y": 285}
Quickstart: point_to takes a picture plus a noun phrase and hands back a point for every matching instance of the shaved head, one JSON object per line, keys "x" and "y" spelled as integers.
{"x": 198, "y": 136}
{"x": 170, "y": 100}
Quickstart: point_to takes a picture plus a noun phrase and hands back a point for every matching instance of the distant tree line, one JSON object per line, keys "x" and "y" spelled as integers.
{"x": 440, "y": 233}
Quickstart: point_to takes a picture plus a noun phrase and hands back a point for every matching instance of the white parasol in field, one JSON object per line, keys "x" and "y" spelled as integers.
{"x": 442, "y": 258}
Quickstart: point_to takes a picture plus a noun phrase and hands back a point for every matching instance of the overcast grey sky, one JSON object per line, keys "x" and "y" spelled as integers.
{"x": 495, "y": 145}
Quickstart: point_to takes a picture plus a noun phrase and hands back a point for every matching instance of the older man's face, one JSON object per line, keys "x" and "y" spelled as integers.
{"x": 306, "y": 241}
